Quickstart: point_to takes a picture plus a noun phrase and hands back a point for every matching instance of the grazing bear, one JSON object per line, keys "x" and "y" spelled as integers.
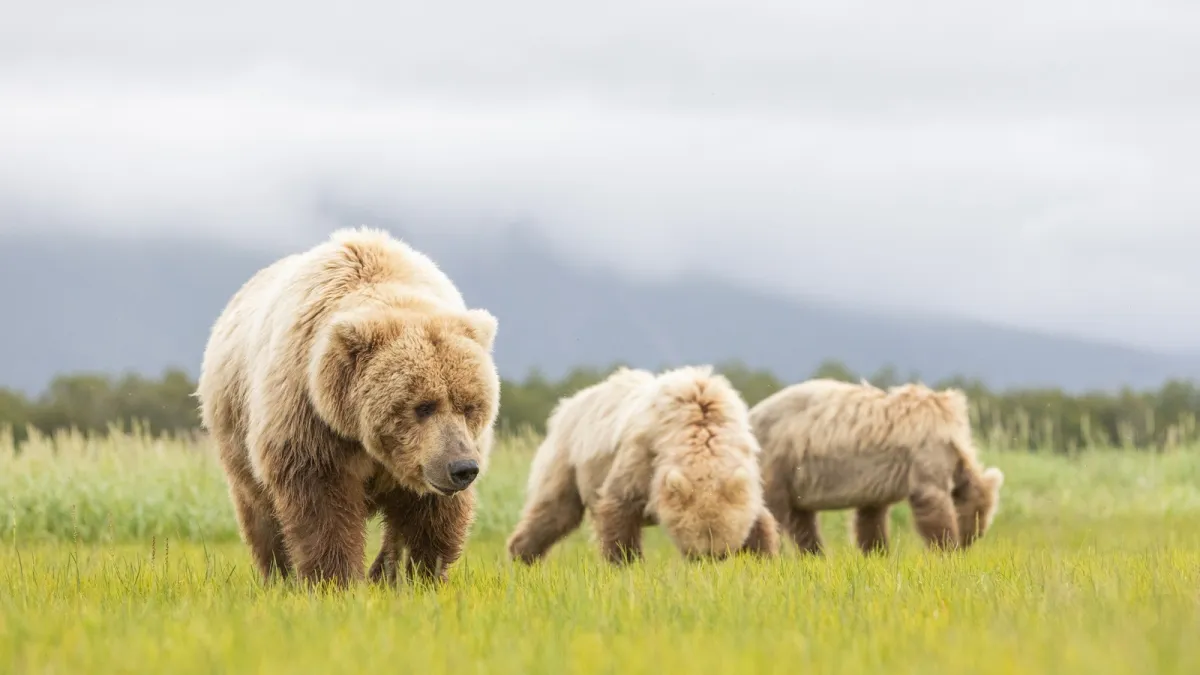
{"x": 638, "y": 449}
{"x": 829, "y": 445}
{"x": 343, "y": 381}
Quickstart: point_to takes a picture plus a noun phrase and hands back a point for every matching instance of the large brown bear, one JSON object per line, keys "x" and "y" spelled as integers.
{"x": 829, "y": 445}
{"x": 343, "y": 381}
{"x": 636, "y": 450}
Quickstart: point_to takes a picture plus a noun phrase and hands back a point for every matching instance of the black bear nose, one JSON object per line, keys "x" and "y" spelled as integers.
{"x": 463, "y": 472}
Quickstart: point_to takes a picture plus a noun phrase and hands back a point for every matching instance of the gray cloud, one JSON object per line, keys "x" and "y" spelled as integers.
{"x": 1028, "y": 163}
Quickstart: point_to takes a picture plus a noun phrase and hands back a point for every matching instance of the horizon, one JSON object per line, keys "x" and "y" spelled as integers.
{"x": 900, "y": 158}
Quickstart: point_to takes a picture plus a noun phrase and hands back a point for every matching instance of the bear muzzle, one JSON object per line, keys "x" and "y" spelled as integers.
{"x": 462, "y": 472}
{"x": 456, "y": 476}
{"x": 454, "y": 469}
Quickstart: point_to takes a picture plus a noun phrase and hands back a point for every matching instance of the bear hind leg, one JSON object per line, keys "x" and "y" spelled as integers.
{"x": 551, "y": 514}
{"x": 545, "y": 524}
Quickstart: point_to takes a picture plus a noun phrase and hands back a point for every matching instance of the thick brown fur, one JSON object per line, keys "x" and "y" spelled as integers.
{"x": 344, "y": 381}
{"x": 829, "y": 445}
{"x": 639, "y": 449}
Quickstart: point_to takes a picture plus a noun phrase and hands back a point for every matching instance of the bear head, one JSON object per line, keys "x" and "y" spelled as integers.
{"x": 976, "y": 501}
{"x": 418, "y": 389}
{"x": 707, "y": 507}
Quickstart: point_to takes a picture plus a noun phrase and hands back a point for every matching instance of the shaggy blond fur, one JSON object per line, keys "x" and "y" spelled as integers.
{"x": 343, "y": 381}
{"x": 829, "y": 445}
{"x": 635, "y": 450}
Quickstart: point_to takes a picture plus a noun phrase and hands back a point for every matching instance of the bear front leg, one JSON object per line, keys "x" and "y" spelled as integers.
{"x": 618, "y": 525}
{"x": 763, "y": 539}
{"x": 433, "y": 528}
{"x": 261, "y": 531}
{"x": 871, "y": 528}
{"x": 322, "y": 511}
{"x": 935, "y": 517}
{"x": 799, "y": 524}
{"x": 384, "y": 567}
{"x": 805, "y": 530}
{"x": 259, "y": 527}
{"x": 437, "y": 541}
{"x": 620, "y": 512}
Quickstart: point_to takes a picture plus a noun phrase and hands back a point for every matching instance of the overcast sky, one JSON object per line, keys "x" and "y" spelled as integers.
{"x": 1032, "y": 163}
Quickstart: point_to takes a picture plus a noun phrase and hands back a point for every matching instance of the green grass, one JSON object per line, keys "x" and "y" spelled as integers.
{"x": 122, "y": 556}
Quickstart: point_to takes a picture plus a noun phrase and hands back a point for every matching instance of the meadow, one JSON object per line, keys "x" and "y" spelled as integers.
{"x": 121, "y": 555}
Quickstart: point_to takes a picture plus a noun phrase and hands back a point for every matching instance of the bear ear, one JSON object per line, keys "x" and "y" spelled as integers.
{"x": 480, "y": 326}
{"x": 737, "y": 484}
{"x": 352, "y": 336}
{"x": 677, "y": 483}
{"x": 993, "y": 478}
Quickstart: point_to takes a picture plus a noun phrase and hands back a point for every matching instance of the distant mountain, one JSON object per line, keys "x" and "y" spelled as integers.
{"x": 85, "y": 303}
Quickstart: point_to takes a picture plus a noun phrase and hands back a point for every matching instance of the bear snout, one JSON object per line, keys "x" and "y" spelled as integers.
{"x": 706, "y": 555}
{"x": 462, "y": 472}
{"x": 455, "y": 463}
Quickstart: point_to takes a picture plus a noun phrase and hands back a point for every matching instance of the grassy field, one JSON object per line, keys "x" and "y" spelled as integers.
{"x": 122, "y": 556}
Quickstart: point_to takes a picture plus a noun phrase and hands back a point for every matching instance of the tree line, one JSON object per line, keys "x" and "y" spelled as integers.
{"x": 1032, "y": 419}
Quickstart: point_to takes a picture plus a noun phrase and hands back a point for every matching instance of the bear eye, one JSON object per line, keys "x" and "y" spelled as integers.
{"x": 469, "y": 409}
{"x": 425, "y": 409}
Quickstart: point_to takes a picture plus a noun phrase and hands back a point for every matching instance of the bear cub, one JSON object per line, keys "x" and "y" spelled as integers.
{"x": 830, "y": 445}
{"x": 637, "y": 449}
